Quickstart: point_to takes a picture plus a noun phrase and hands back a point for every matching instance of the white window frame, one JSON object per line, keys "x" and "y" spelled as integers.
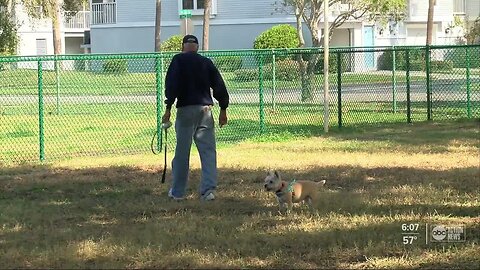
{"x": 198, "y": 11}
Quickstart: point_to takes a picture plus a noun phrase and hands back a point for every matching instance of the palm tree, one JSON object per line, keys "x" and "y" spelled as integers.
{"x": 206, "y": 24}
{"x": 158, "y": 14}
{"x": 431, "y": 5}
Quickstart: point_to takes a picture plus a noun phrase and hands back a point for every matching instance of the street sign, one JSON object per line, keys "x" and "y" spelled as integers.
{"x": 185, "y": 13}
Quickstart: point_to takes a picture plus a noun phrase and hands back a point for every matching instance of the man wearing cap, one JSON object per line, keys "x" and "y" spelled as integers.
{"x": 189, "y": 79}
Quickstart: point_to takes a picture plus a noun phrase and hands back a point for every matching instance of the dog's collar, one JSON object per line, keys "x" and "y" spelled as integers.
{"x": 280, "y": 191}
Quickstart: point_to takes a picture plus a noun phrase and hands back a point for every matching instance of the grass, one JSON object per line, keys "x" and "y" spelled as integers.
{"x": 113, "y": 213}
{"x": 25, "y": 82}
{"x": 106, "y": 129}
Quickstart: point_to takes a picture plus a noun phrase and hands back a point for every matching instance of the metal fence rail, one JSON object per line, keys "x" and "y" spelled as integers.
{"x": 56, "y": 107}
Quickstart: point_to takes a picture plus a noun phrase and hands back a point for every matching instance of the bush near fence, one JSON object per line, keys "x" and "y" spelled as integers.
{"x": 455, "y": 57}
{"x": 228, "y": 63}
{"x": 115, "y": 66}
{"x": 417, "y": 61}
{"x": 416, "y": 56}
{"x": 285, "y": 70}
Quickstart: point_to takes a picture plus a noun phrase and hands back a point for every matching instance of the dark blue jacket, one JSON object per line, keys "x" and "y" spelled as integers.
{"x": 189, "y": 79}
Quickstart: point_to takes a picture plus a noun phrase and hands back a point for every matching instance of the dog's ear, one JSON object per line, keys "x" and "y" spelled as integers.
{"x": 277, "y": 175}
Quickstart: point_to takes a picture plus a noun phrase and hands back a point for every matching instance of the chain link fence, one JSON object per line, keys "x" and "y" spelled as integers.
{"x": 57, "y": 107}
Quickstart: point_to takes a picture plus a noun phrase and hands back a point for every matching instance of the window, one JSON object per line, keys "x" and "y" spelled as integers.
{"x": 459, "y": 6}
{"x": 193, "y": 4}
{"x": 196, "y": 6}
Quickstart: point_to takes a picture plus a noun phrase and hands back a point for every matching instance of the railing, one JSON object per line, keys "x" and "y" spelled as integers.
{"x": 76, "y": 20}
{"x": 94, "y": 104}
{"x": 104, "y": 13}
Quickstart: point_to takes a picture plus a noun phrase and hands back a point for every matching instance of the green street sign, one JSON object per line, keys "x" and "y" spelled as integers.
{"x": 185, "y": 13}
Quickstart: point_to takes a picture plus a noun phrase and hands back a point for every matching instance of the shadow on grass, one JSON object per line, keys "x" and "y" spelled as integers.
{"x": 121, "y": 217}
{"x": 430, "y": 136}
{"x": 426, "y": 137}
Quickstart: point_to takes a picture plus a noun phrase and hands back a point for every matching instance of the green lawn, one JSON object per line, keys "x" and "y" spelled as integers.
{"x": 25, "y": 82}
{"x": 106, "y": 129}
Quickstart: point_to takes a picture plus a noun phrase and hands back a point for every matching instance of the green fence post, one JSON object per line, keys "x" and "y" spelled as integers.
{"x": 260, "y": 87}
{"x": 394, "y": 80}
{"x": 339, "y": 88}
{"x": 158, "y": 87}
{"x": 57, "y": 86}
{"x": 409, "y": 102}
{"x": 40, "y": 111}
{"x": 469, "y": 102}
{"x": 274, "y": 79}
{"x": 429, "y": 86}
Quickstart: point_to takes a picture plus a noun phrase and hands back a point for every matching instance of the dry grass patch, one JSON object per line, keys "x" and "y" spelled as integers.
{"x": 114, "y": 213}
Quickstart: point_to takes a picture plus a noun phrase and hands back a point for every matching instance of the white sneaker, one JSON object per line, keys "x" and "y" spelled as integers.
{"x": 209, "y": 197}
{"x": 170, "y": 194}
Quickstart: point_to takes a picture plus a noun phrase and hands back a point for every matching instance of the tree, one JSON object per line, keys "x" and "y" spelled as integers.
{"x": 8, "y": 28}
{"x": 52, "y": 9}
{"x": 206, "y": 24}
{"x": 158, "y": 23}
{"x": 431, "y": 5}
{"x": 473, "y": 33}
{"x": 310, "y": 12}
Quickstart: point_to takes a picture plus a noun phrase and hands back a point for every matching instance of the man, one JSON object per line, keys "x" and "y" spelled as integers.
{"x": 189, "y": 79}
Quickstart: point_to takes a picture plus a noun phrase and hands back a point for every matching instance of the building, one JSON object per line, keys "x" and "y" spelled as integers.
{"x": 128, "y": 25}
{"x": 36, "y": 35}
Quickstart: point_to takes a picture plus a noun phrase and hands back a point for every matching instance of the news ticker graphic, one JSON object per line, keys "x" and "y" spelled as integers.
{"x": 434, "y": 233}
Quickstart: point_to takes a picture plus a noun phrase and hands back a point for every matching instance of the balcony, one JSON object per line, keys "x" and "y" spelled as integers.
{"x": 104, "y": 13}
{"x": 76, "y": 20}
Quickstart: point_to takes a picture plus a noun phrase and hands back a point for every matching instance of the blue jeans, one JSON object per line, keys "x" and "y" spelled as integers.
{"x": 194, "y": 122}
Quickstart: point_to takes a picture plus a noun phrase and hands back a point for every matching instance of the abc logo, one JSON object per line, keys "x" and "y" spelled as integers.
{"x": 439, "y": 233}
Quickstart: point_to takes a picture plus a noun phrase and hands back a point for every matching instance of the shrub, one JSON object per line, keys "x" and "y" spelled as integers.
{"x": 285, "y": 70}
{"x": 417, "y": 65}
{"x": 457, "y": 57}
{"x": 228, "y": 63}
{"x": 117, "y": 66}
{"x": 172, "y": 44}
{"x": 332, "y": 63}
{"x": 246, "y": 75}
{"x": 279, "y": 36}
{"x": 441, "y": 66}
{"x": 386, "y": 59}
{"x": 79, "y": 65}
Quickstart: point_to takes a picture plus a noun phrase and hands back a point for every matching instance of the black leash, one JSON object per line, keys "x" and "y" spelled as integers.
{"x": 165, "y": 158}
{"x": 165, "y": 127}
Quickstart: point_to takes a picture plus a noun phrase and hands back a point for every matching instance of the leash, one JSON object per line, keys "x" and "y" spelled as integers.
{"x": 165, "y": 127}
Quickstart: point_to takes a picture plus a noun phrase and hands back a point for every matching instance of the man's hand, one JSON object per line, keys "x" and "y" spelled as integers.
{"x": 222, "y": 118}
{"x": 166, "y": 116}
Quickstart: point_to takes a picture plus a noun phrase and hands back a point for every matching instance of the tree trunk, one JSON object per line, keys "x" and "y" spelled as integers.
{"x": 308, "y": 69}
{"x": 431, "y": 5}
{"x": 158, "y": 16}
{"x": 56, "y": 24}
{"x": 206, "y": 24}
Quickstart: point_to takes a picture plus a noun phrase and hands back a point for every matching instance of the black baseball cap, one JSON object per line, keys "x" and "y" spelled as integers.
{"x": 190, "y": 39}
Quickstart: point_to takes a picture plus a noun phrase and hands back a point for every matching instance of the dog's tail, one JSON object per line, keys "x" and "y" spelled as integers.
{"x": 321, "y": 183}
